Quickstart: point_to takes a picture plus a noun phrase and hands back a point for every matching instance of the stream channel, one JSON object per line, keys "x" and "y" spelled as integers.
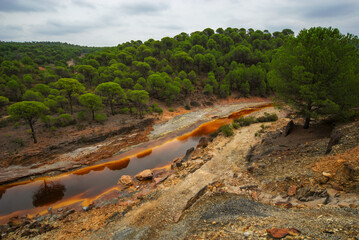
{"x": 85, "y": 185}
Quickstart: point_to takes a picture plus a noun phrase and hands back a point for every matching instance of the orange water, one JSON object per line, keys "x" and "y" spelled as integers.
{"x": 88, "y": 184}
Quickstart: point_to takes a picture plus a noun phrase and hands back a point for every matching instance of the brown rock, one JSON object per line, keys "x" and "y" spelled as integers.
{"x": 329, "y": 175}
{"x": 126, "y": 180}
{"x": 203, "y": 142}
{"x": 336, "y": 187}
{"x": 281, "y": 233}
{"x": 284, "y": 204}
{"x": 289, "y": 128}
{"x": 334, "y": 140}
{"x": 15, "y": 222}
{"x": 144, "y": 175}
{"x": 292, "y": 190}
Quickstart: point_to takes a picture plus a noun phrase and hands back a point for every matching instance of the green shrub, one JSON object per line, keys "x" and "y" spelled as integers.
{"x": 81, "y": 116}
{"x": 64, "y": 120}
{"x": 227, "y": 130}
{"x": 214, "y": 134}
{"x": 235, "y": 125}
{"x": 100, "y": 117}
{"x": 60, "y": 110}
{"x": 157, "y": 109}
{"x": 134, "y": 111}
{"x": 4, "y": 122}
{"x": 187, "y": 107}
{"x": 124, "y": 110}
{"x": 268, "y": 117}
{"x": 16, "y": 125}
{"x": 171, "y": 110}
{"x": 245, "y": 121}
{"x": 47, "y": 120}
{"x": 53, "y": 128}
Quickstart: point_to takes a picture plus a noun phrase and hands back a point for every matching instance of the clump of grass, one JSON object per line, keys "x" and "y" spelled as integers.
{"x": 227, "y": 130}
{"x": 245, "y": 121}
{"x": 268, "y": 117}
{"x": 100, "y": 117}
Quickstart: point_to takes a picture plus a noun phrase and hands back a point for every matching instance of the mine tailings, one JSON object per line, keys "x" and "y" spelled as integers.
{"x": 83, "y": 186}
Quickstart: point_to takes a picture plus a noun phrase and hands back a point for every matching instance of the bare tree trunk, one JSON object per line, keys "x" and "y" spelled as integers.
{"x": 307, "y": 117}
{"x": 306, "y": 124}
{"x": 32, "y": 131}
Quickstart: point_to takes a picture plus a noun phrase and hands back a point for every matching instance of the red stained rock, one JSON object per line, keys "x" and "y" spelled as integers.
{"x": 126, "y": 180}
{"x": 281, "y": 233}
{"x": 292, "y": 190}
{"x": 284, "y": 204}
{"x": 144, "y": 175}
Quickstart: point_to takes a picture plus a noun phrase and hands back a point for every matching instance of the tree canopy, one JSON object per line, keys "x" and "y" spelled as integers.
{"x": 30, "y": 111}
{"x": 317, "y": 73}
{"x": 92, "y": 102}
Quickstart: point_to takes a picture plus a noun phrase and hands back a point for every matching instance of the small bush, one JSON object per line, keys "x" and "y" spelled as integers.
{"x": 64, "y": 120}
{"x": 227, "y": 130}
{"x": 134, "y": 111}
{"x": 157, "y": 109}
{"x": 81, "y": 116}
{"x": 214, "y": 134}
{"x": 124, "y": 110}
{"x": 268, "y": 117}
{"x": 47, "y": 120}
{"x": 245, "y": 121}
{"x": 187, "y": 107}
{"x": 60, "y": 110}
{"x": 100, "y": 117}
{"x": 5, "y": 121}
{"x": 235, "y": 125}
{"x": 16, "y": 125}
{"x": 53, "y": 129}
{"x": 171, "y": 110}
{"x": 150, "y": 110}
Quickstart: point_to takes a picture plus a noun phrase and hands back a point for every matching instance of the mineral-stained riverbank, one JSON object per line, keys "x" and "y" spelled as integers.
{"x": 99, "y": 148}
{"x": 256, "y": 184}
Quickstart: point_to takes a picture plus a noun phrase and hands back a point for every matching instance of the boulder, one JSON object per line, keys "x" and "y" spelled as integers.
{"x": 144, "y": 175}
{"x": 334, "y": 140}
{"x": 126, "y": 180}
{"x": 203, "y": 142}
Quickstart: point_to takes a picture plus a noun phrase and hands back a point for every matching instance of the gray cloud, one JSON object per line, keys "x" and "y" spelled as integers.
{"x": 9, "y": 32}
{"x": 143, "y": 8}
{"x": 110, "y": 22}
{"x": 26, "y": 5}
{"x": 83, "y": 3}
{"x": 60, "y": 29}
{"x": 331, "y": 10}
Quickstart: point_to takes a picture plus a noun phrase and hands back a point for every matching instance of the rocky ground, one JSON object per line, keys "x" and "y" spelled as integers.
{"x": 267, "y": 180}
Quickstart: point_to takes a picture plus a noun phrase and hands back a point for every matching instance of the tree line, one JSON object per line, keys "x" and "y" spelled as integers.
{"x": 302, "y": 70}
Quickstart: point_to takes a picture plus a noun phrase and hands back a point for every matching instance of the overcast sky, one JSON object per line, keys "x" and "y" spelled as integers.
{"x": 110, "y": 22}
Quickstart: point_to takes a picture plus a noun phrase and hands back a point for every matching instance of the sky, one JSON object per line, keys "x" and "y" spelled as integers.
{"x": 111, "y": 22}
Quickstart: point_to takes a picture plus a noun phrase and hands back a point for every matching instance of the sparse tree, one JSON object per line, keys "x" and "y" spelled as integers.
{"x": 30, "y": 111}
{"x": 92, "y": 102}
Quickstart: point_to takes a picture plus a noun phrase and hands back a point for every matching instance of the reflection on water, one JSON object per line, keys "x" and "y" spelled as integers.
{"x": 48, "y": 193}
{"x": 85, "y": 185}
